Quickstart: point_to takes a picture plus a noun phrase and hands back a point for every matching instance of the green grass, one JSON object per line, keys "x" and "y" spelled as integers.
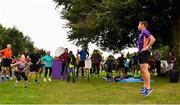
{"x": 97, "y": 91}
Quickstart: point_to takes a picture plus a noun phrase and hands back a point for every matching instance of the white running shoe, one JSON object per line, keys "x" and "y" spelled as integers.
{"x": 50, "y": 79}
{"x": 45, "y": 80}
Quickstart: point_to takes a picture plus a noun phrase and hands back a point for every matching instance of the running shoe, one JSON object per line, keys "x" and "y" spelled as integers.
{"x": 147, "y": 92}
{"x": 142, "y": 90}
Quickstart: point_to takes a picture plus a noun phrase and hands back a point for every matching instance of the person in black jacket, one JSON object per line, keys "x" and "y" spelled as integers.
{"x": 71, "y": 64}
{"x": 110, "y": 65}
{"x": 34, "y": 60}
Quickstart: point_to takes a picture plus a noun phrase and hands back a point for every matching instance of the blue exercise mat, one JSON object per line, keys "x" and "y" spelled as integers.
{"x": 132, "y": 79}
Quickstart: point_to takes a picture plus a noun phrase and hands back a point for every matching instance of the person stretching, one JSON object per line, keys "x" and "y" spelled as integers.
{"x": 20, "y": 71}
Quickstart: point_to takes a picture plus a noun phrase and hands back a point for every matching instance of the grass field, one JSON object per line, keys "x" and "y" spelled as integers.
{"x": 97, "y": 91}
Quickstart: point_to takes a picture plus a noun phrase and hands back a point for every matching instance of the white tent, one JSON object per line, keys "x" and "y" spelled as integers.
{"x": 59, "y": 51}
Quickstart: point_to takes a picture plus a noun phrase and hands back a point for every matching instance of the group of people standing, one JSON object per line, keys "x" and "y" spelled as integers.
{"x": 29, "y": 63}
{"x": 73, "y": 63}
{"x": 122, "y": 66}
{"x": 157, "y": 66}
{"x": 24, "y": 65}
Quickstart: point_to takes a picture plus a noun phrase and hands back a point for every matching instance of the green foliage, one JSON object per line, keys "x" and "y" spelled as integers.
{"x": 164, "y": 51}
{"x": 112, "y": 24}
{"x": 14, "y": 37}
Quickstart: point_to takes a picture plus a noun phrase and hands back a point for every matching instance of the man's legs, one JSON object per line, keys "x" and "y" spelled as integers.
{"x": 77, "y": 71}
{"x": 45, "y": 74}
{"x": 97, "y": 68}
{"x": 7, "y": 72}
{"x": 123, "y": 73}
{"x": 73, "y": 75}
{"x": 3, "y": 73}
{"x": 92, "y": 70}
{"x": 36, "y": 76}
{"x": 50, "y": 73}
{"x": 145, "y": 75}
{"x": 83, "y": 71}
{"x": 33, "y": 68}
{"x": 158, "y": 67}
{"x": 40, "y": 69}
{"x": 143, "y": 60}
{"x": 63, "y": 69}
{"x": 30, "y": 73}
{"x": 29, "y": 76}
{"x": 68, "y": 74}
{"x": 27, "y": 71}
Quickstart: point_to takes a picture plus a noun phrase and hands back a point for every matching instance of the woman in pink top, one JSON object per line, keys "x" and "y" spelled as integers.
{"x": 20, "y": 71}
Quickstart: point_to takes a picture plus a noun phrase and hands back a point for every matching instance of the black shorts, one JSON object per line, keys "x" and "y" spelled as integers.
{"x": 6, "y": 62}
{"x": 82, "y": 64}
{"x": 144, "y": 57}
{"x": 110, "y": 67}
{"x": 135, "y": 63}
{"x": 48, "y": 68}
{"x": 40, "y": 66}
{"x": 121, "y": 66}
{"x": 34, "y": 68}
{"x": 19, "y": 75}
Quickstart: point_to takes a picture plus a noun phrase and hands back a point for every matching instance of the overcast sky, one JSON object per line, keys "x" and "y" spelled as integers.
{"x": 39, "y": 20}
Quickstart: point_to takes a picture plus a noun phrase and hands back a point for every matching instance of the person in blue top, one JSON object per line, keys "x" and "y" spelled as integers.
{"x": 48, "y": 60}
{"x": 84, "y": 54}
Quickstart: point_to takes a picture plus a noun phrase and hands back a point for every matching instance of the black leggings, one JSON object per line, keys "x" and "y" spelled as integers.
{"x": 95, "y": 68}
{"x": 158, "y": 67}
{"x": 63, "y": 68}
{"x": 19, "y": 75}
{"x": 46, "y": 71}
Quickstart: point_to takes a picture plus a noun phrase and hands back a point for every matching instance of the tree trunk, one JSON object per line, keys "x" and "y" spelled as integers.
{"x": 176, "y": 43}
{"x": 175, "y": 40}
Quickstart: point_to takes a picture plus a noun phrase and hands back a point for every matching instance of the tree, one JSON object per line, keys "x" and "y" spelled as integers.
{"x": 175, "y": 31}
{"x": 14, "y": 37}
{"x": 112, "y": 24}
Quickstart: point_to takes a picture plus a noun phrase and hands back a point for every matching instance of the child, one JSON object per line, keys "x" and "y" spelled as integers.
{"x": 71, "y": 62}
{"x": 48, "y": 60}
{"x": 20, "y": 71}
{"x": 110, "y": 63}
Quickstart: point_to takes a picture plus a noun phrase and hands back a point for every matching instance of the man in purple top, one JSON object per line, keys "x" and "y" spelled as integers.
{"x": 146, "y": 40}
